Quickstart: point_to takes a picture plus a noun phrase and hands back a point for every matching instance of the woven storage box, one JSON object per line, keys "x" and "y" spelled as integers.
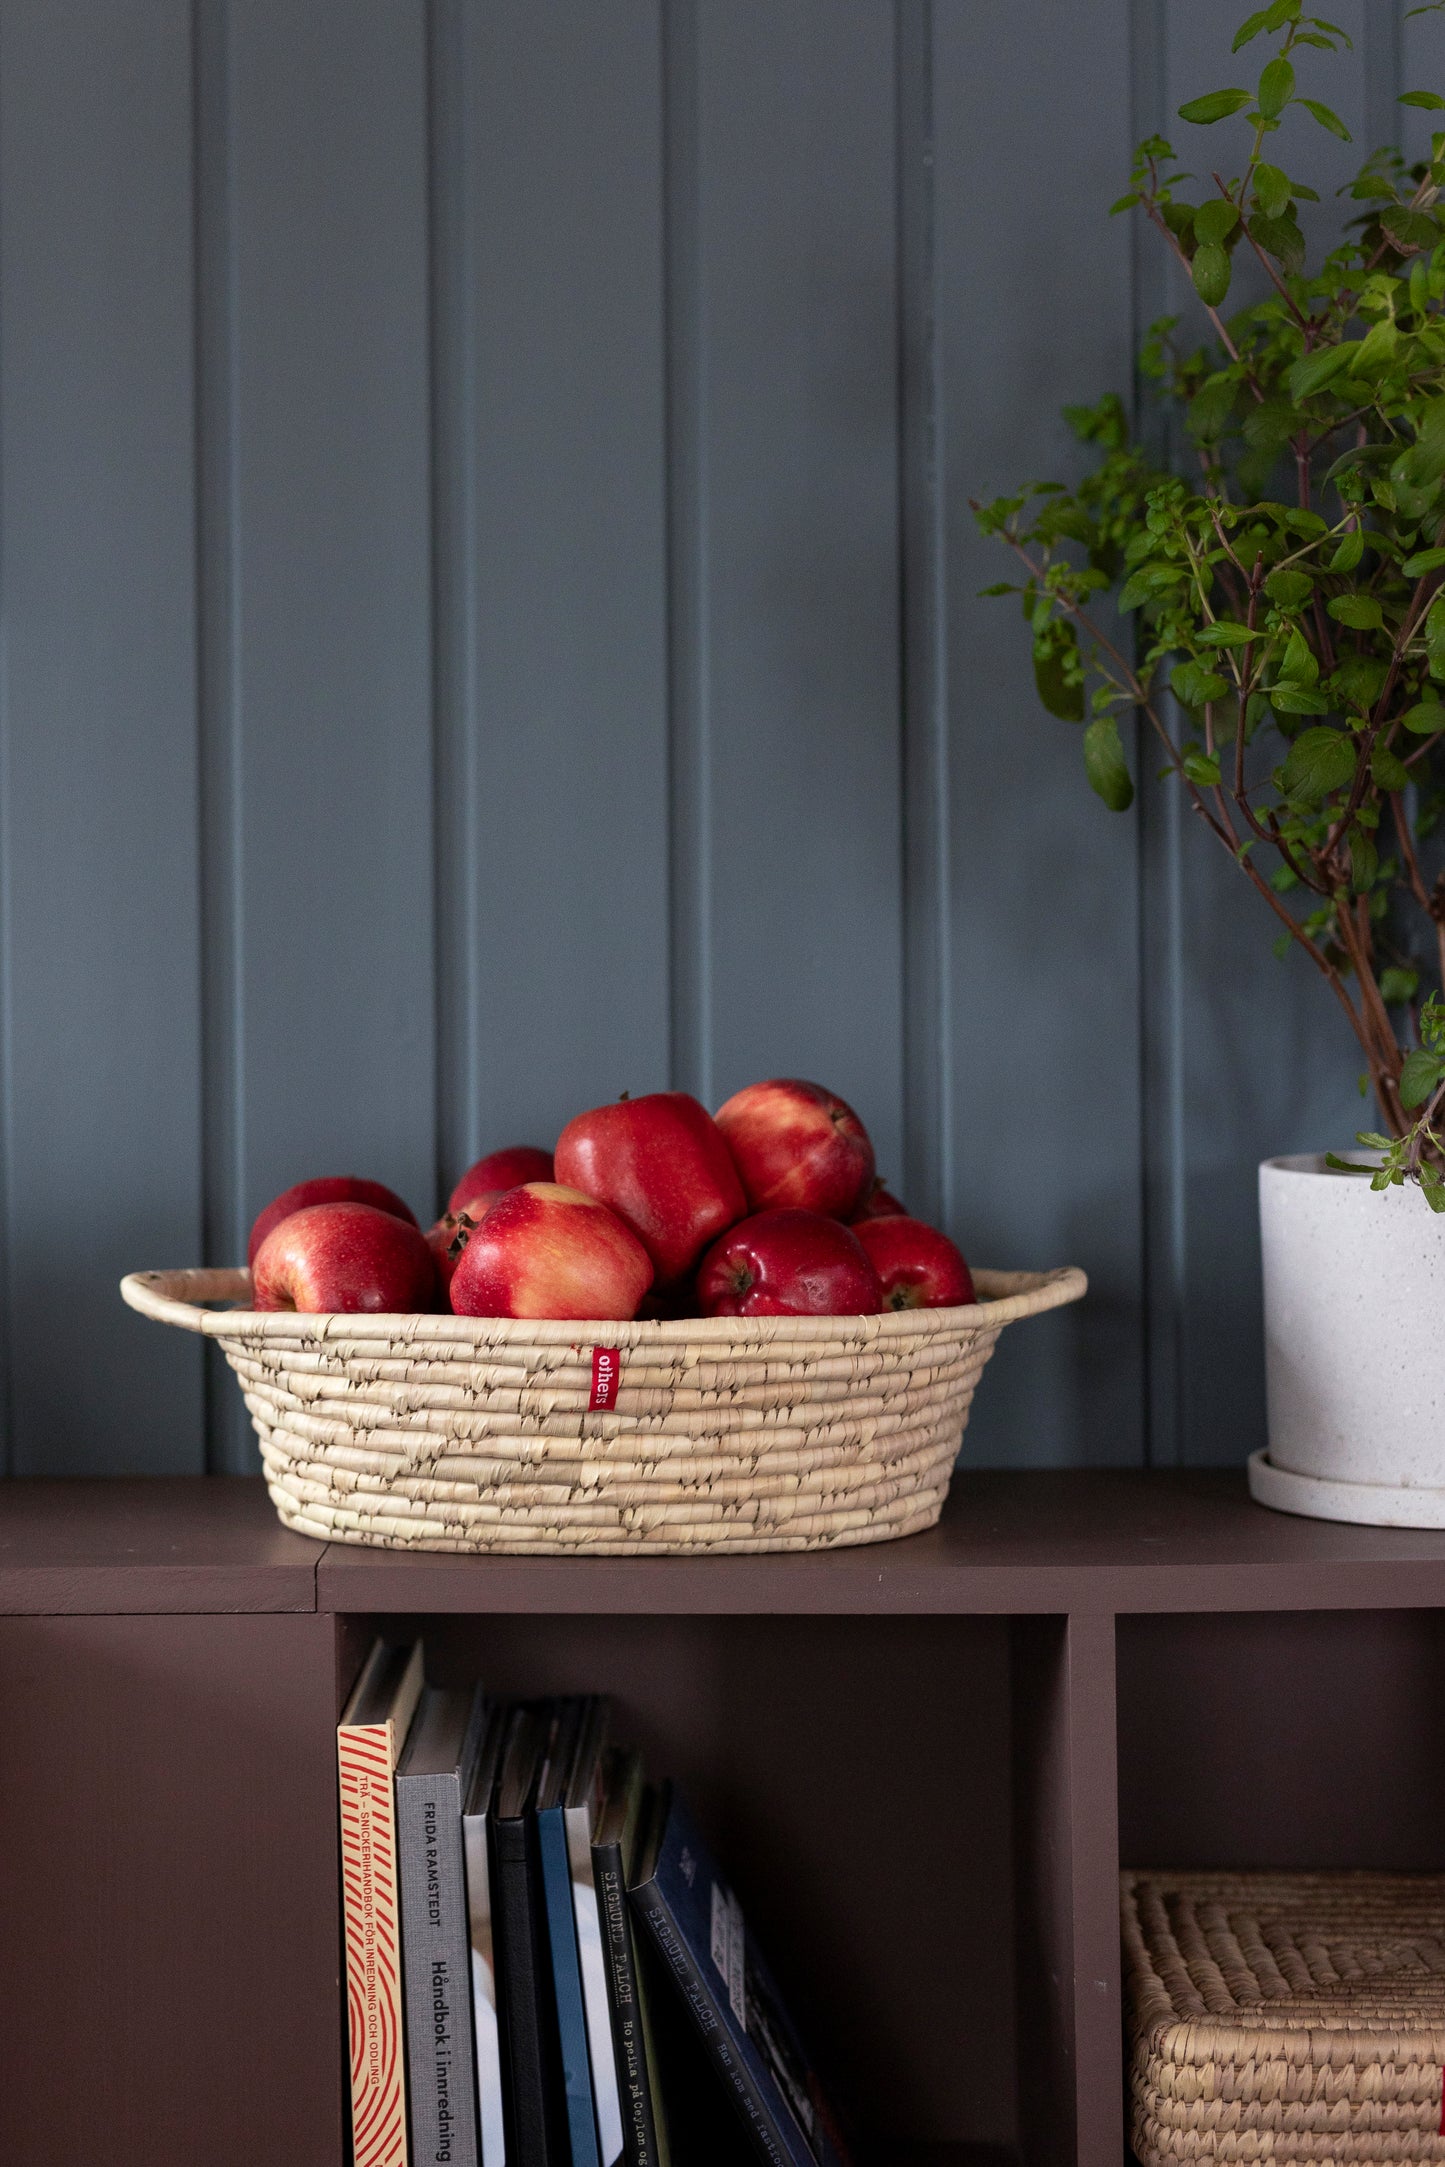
{"x": 1287, "y": 2018}
{"x": 484, "y": 1433}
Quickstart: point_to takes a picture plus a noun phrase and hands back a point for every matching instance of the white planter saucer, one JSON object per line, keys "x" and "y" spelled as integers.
{"x": 1366, "y": 1504}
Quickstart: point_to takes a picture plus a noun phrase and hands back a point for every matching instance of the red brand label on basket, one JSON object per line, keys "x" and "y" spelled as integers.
{"x": 606, "y": 1367}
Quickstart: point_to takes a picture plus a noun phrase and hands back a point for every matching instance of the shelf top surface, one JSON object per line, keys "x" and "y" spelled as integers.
{"x": 154, "y": 1543}
{"x": 1008, "y": 1544}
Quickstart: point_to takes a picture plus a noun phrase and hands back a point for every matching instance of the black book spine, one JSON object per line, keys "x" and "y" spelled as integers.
{"x": 639, "y": 2125}
{"x": 647, "y": 1899}
{"x": 524, "y": 1997}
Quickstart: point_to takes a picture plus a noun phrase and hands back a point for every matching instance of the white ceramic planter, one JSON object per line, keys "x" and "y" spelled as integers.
{"x": 1354, "y": 1323}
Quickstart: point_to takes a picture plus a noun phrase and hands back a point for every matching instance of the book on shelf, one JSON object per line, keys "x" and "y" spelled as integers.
{"x": 476, "y": 1852}
{"x": 697, "y": 1928}
{"x": 532, "y": 2101}
{"x": 615, "y": 1846}
{"x": 568, "y": 1799}
{"x": 369, "y": 1739}
{"x": 434, "y": 1775}
{"x": 544, "y": 1966}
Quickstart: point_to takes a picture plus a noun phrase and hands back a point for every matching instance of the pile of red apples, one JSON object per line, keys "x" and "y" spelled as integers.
{"x": 647, "y": 1208}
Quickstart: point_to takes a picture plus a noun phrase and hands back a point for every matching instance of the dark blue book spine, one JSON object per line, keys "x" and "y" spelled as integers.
{"x": 699, "y": 1928}
{"x": 567, "y": 1987}
{"x": 707, "y": 2014}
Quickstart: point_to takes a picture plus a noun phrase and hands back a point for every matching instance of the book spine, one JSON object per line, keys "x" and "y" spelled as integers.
{"x": 520, "y": 1985}
{"x": 436, "y": 1967}
{"x": 567, "y": 1987}
{"x": 639, "y": 2126}
{"x": 649, "y": 1902}
{"x": 373, "y": 1953}
{"x": 486, "y": 2038}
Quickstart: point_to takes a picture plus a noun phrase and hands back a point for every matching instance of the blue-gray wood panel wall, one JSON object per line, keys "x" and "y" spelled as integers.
{"x": 490, "y": 618}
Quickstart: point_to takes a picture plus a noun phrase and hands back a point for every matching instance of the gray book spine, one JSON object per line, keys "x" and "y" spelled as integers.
{"x": 436, "y": 1970}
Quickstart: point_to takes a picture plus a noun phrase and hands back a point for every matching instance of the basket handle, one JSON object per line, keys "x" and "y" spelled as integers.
{"x": 175, "y": 1297}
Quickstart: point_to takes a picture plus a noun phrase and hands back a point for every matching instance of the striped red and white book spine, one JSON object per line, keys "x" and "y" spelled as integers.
{"x": 364, "y": 1755}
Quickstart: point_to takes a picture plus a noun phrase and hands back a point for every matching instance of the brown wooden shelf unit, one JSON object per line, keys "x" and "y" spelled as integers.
{"x": 924, "y": 1763}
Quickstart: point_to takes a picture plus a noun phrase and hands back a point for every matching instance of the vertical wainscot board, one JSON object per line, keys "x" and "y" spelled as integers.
{"x": 99, "y": 927}
{"x": 783, "y": 246}
{"x": 552, "y": 620}
{"x": 1033, "y": 309}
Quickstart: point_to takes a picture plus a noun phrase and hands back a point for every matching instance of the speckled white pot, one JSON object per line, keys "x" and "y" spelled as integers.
{"x": 1354, "y": 1323}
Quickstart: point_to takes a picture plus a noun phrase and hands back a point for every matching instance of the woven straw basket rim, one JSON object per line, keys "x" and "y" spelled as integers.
{"x": 717, "y": 1433}
{"x": 179, "y": 1298}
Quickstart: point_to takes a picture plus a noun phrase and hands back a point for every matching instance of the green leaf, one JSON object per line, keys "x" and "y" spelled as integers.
{"x": 1212, "y": 406}
{"x": 1268, "y": 425}
{"x": 1425, "y": 560}
{"x": 1281, "y": 238}
{"x": 1276, "y": 87}
{"x": 1196, "y": 686}
{"x": 1215, "y": 220}
{"x": 1226, "y": 635}
{"x": 1318, "y": 762}
{"x": 1201, "y": 768}
{"x": 1299, "y": 666}
{"x": 1426, "y": 719}
{"x": 1214, "y": 105}
{"x": 1398, "y": 985}
{"x": 1210, "y": 272}
{"x": 1388, "y": 771}
{"x": 1420, "y": 1076}
{"x": 1425, "y": 460}
{"x": 1327, "y": 119}
{"x": 1314, "y": 371}
{"x": 1060, "y": 689}
{"x": 1378, "y": 348}
{"x": 1364, "y": 861}
{"x": 1409, "y": 230}
{"x": 1349, "y": 552}
{"x": 1125, "y": 203}
{"x": 1298, "y": 700}
{"x": 1289, "y": 588}
{"x": 1272, "y": 190}
{"x": 1000, "y": 586}
{"x": 1435, "y": 637}
{"x": 1429, "y": 99}
{"x": 1143, "y": 585}
{"x": 1361, "y": 612}
{"x": 1105, "y": 765}
{"x": 1250, "y": 28}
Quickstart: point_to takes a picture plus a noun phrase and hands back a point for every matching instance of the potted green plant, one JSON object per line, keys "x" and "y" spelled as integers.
{"x": 1269, "y": 596}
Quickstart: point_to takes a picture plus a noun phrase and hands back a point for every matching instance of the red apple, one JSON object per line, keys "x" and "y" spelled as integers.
{"x": 919, "y": 1267}
{"x": 878, "y": 1203}
{"x": 661, "y": 1164}
{"x": 327, "y": 1189}
{"x": 545, "y": 1250}
{"x": 788, "y": 1264}
{"x": 339, "y": 1257}
{"x": 482, "y": 1184}
{"x": 796, "y": 1144}
{"x": 447, "y": 1239}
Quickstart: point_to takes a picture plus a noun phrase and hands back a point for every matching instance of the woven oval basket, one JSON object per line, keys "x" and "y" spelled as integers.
{"x": 1292, "y": 2018}
{"x": 718, "y": 1433}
